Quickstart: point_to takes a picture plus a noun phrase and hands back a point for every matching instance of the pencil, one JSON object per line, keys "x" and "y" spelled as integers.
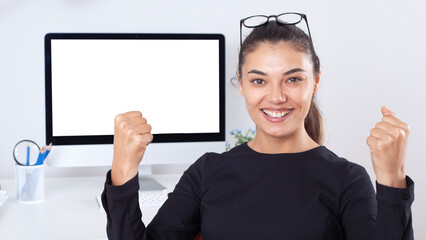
{"x": 48, "y": 148}
{"x": 28, "y": 154}
{"x": 40, "y": 156}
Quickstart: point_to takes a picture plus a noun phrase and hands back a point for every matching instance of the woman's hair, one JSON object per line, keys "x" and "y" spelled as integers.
{"x": 273, "y": 32}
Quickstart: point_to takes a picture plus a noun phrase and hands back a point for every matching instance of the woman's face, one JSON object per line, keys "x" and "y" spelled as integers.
{"x": 278, "y": 83}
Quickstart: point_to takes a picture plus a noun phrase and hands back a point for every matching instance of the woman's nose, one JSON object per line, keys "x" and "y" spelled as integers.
{"x": 276, "y": 94}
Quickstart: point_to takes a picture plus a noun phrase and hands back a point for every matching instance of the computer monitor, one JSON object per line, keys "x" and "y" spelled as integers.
{"x": 177, "y": 81}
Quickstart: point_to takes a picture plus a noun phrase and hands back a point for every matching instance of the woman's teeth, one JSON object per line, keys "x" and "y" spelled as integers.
{"x": 276, "y": 114}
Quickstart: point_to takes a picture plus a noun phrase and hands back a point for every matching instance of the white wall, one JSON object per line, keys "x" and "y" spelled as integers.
{"x": 372, "y": 54}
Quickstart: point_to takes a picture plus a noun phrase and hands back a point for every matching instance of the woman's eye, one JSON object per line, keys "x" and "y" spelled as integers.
{"x": 258, "y": 81}
{"x": 294, "y": 80}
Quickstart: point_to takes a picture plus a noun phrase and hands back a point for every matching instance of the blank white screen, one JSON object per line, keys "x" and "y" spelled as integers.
{"x": 174, "y": 83}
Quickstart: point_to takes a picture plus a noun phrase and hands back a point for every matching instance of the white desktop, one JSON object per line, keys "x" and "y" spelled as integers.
{"x": 69, "y": 211}
{"x": 175, "y": 80}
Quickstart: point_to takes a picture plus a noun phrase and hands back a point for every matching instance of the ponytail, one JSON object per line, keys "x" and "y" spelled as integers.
{"x": 313, "y": 123}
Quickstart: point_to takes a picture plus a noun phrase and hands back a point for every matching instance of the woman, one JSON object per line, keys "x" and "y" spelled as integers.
{"x": 281, "y": 185}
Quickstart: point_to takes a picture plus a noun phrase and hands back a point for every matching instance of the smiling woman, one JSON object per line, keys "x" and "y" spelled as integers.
{"x": 283, "y": 184}
{"x": 278, "y": 84}
{"x": 289, "y": 61}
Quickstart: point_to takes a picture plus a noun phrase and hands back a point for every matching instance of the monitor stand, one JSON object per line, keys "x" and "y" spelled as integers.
{"x": 146, "y": 182}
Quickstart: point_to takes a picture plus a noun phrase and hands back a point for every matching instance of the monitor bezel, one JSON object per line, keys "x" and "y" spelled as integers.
{"x": 158, "y": 138}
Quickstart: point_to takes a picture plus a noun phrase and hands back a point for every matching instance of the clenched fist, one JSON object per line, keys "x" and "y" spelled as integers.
{"x": 388, "y": 144}
{"x": 132, "y": 135}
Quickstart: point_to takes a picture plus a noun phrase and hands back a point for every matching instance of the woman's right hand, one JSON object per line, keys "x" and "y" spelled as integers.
{"x": 132, "y": 135}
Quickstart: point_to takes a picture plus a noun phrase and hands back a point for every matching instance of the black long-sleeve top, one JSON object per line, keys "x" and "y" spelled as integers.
{"x": 244, "y": 194}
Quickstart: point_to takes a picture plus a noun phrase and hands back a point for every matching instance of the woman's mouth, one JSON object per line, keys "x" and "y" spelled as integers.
{"x": 276, "y": 115}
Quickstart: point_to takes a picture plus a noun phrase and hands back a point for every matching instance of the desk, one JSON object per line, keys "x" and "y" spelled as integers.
{"x": 69, "y": 211}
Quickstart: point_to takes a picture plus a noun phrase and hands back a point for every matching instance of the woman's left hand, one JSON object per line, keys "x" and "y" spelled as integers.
{"x": 388, "y": 144}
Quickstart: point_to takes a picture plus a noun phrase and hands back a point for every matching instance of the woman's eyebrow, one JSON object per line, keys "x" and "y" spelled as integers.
{"x": 294, "y": 70}
{"x": 255, "y": 71}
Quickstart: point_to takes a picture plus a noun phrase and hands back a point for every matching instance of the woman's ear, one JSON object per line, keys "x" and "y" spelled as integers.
{"x": 240, "y": 86}
{"x": 317, "y": 81}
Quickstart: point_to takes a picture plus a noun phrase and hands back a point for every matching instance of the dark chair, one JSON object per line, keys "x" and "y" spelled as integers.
{"x": 198, "y": 237}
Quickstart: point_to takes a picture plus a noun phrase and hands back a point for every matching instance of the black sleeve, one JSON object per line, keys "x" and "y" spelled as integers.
{"x": 178, "y": 218}
{"x": 394, "y": 220}
{"x": 382, "y": 216}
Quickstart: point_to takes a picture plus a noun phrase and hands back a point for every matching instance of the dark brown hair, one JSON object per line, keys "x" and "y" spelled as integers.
{"x": 273, "y": 32}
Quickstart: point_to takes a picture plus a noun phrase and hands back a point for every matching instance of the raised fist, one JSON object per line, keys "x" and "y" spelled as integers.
{"x": 132, "y": 135}
{"x": 388, "y": 144}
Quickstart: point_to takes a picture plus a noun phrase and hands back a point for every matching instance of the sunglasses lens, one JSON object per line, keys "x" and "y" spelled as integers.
{"x": 289, "y": 18}
{"x": 255, "y": 21}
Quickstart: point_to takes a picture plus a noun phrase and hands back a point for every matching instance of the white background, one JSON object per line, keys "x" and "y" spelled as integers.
{"x": 372, "y": 54}
{"x": 94, "y": 80}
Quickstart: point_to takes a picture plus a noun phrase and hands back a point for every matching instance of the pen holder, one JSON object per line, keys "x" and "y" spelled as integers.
{"x": 29, "y": 182}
